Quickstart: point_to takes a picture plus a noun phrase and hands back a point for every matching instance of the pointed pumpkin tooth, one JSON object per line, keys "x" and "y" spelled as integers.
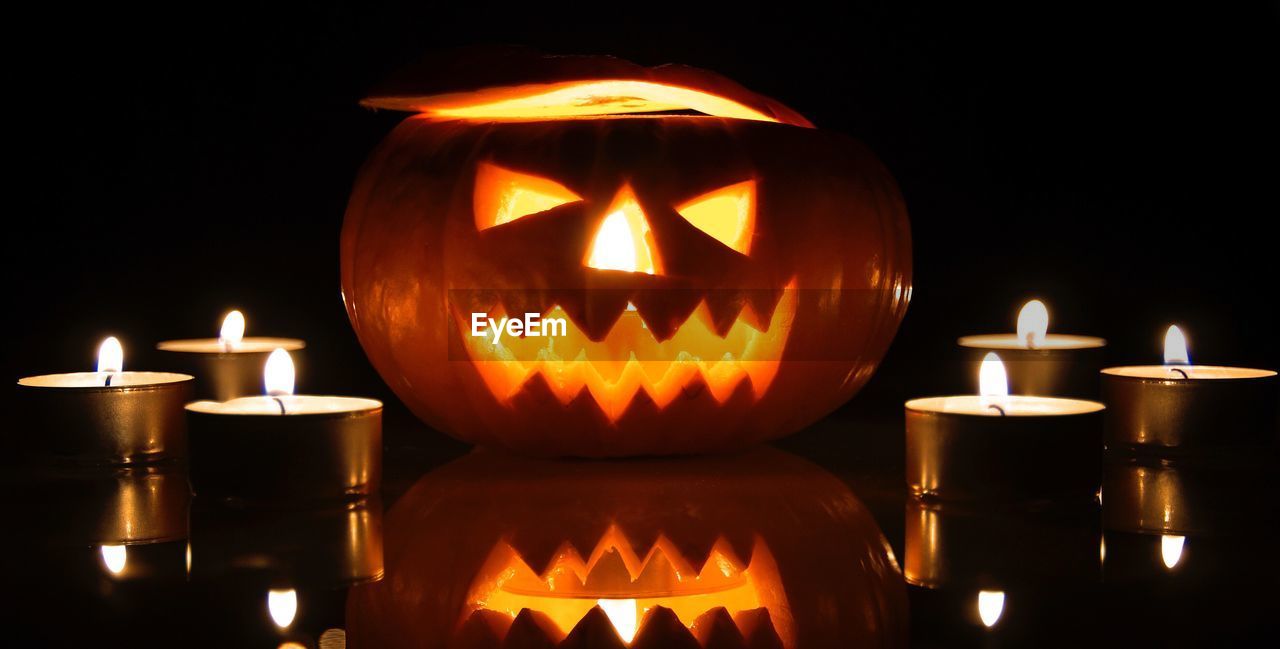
{"x": 664, "y": 310}
{"x": 662, "y": 629}
{"x": 538, "y": 548}
{"x": 600, "y": 310}
{"x": 757, "y": 629}
{"x": 593, "y": 631}
{"x": 587, "y": 535}
{"x": 658, "y": 574}
{"x": 716, "y": 629}
{"x": 742, "y": 544}
{"x": 532, "y": 630}
{"x": 694, "y": 545}
{"x": 483, "y": 629}
{"x": 640, "y": 536}
{"x": 761, "y": 304}
{"x": 609, "y": 574}
{"x": 724, "y": 307}
{"x": 516, "y": 303}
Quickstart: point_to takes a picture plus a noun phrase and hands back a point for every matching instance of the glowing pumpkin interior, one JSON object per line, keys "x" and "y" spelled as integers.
{"x": 632, "y": 591}
{"x": 611, "y": 369}
{"x": 630, "y": 358}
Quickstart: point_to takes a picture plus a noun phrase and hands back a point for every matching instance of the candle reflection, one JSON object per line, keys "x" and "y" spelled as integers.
{"x": 1171, "y": 549}
{"x": 283, "y": 606}
{"x": 990, "y": 606}
{"x": 115, "y": 557}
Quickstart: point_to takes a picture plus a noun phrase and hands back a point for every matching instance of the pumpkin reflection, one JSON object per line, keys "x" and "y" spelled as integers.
{"x": 761, "y": 549}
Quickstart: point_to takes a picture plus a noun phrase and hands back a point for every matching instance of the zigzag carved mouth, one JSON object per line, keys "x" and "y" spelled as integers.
{"x": 704, "y": 349}
{"x": 616, "y": 598}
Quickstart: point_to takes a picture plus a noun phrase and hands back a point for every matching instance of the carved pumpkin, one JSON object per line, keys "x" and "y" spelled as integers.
{"x": 723, "y": 278}
{"x": 758, "y": 550}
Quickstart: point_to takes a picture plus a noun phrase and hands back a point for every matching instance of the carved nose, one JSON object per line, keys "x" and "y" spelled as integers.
{"x": 623, "y": 241}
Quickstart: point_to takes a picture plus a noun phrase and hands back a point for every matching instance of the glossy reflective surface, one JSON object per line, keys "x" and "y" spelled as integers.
{"x": 1178, "y": 551}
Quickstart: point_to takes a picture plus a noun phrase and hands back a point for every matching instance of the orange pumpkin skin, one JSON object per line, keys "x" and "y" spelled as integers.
{"x": 836, "y": 584}
{"x": 829, "y": 223}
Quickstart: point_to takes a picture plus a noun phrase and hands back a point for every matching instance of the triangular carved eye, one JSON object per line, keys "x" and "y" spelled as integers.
{"x": 503, "y": 196}
{"x": 728, "y": 214}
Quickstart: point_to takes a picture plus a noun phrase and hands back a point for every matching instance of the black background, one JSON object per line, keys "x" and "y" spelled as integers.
{"x": 169, "y": 166}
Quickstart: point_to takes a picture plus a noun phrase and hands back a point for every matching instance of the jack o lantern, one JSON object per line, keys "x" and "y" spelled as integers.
{"x": 756, "y": 550}
{"x": 720, "y": 271}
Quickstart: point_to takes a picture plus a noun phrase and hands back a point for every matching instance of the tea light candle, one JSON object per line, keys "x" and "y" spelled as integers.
{"x": 285, "y": 445}
{"x": 1039, "y": 362}
{"x": 994, "y": 445}
{"x": 1182, "y": 405}
{"x": 230, "y": 365}
{"x": 107, "y": 416}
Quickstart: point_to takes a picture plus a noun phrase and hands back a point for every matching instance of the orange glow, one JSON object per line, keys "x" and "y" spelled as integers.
{"x": 623, "y": 241}
{"x": 583, "y": 98}
{"x": 728, "y": 214}
{"x": 626, "y": 586}
{"x": 574, "y": 362}
{"x": 502, "y": 195}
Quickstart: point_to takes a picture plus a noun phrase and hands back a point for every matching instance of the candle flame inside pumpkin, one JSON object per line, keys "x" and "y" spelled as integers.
{"x": 623, "y": 240}
{"x": 1033, "y": 324}
{"x": 1175, "y": 347}
{"x": 622, "y": 613}
{"x": 278, "y": 375}
{"x": 110, "y": 355}
{"x": 232, "y": 329}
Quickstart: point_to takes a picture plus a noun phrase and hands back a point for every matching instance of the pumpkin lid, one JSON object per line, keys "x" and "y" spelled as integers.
{"x": 518, "y": 83}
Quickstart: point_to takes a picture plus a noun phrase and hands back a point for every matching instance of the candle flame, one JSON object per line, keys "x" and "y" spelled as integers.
{"x": 232, "y": 329}
{"x": 622, "y": 613}
{"x": 1033, "y": 323}
{"x": 110, "y": 355}
{"x": 283, "y": 606}
{"x": 115, "y": 557}
{"x": 1171, "y": 549}
{"x": 990, "y": 606}
{"x": 1175, "y": 347}
{"x": 992, "y": 380}
{"x": 277, "y": 376}
{"x": 622, "y": 242}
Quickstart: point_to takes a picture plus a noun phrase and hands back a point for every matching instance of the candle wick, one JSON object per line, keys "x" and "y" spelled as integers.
{"x": 107, "y": 383}
{"x": 1031, "y": 340}
{"x": 1179, "y": 371}
{"x": 280, "y": 403}
{"x": 998, "y": 409}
